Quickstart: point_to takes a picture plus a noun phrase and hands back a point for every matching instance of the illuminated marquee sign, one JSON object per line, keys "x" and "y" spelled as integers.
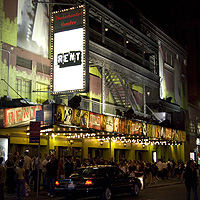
{"x": 69, "y": 51}
{"x": 20, "y": 115}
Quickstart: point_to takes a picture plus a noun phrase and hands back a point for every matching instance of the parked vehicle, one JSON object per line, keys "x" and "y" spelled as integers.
{"x": 98, "y": 181}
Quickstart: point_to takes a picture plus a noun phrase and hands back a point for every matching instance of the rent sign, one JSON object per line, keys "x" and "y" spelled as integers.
{"x": 20, "y": 115}
{"x": 69, "y": 51}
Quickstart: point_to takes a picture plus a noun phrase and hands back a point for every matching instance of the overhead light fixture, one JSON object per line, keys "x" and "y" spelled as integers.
{"x": 71, "y": 141}
{"x": 101, "y": 142}
{"x": 106, "y": 29}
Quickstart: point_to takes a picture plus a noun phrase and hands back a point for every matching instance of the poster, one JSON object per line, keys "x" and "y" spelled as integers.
{"x": 33, "y": 27}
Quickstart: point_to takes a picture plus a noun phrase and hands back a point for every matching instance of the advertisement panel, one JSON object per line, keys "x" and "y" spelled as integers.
{"x": 144, "y": 129}
{"x": 162, "y": 132}
{"x": 103, "y": 122}
{"x": 122, "y": 126}
{"x": 136, "y": 128}
{"x": 158, "y": 131}
{"x": 70, "y": 51}
{"x": 168, "y": 133}
{"x": 95, "y": 121}
{"x": 59, "y": 113}
{"x": 128, "y": 126}
{"x": 116, "y": 124}
{"x": 68, "y": 115}
{"x": 76, "y": 117}
{"x": 109, "y": 123}
{"x": 84, "y": 121}
{"x": 149, "y": 130}
{"x": 33, "y": 27}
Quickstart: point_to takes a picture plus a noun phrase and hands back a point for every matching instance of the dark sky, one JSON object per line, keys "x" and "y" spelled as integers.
{"x": 168, "y": 12}
{"x": 180, "y": 19}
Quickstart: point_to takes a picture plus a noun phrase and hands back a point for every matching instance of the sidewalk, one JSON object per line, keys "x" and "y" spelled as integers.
{"x": 42, "y": 195}
{"x": 162, "y": 183}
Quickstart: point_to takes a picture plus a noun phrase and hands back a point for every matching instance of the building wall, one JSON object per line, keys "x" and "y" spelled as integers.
{"x": 9, "y": 53}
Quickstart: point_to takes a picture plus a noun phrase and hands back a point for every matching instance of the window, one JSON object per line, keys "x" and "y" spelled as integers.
{"x": 43, "y": 68}
{"x": 23, "y": 87}
{"x": 41, "y": 96}
{"x": 24, "y": 62}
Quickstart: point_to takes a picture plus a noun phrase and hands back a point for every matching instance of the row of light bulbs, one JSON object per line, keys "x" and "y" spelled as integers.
{"x": 122, "y": 139}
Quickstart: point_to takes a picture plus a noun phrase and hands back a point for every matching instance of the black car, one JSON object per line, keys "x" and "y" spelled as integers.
{"x": 98, "y": 181}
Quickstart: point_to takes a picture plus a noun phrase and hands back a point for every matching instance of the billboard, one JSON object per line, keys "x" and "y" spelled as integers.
{"x": 69, "y": 56}
{"x": 33, "y": 27}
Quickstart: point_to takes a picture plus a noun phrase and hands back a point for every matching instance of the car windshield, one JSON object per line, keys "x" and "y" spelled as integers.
{"x": 90, "y": 172}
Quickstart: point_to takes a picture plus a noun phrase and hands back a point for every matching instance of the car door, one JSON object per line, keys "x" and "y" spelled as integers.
{"x": 119, "y": 180}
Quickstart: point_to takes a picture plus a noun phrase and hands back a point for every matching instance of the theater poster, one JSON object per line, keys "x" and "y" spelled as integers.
{"x": 116, "y": 124}
{"x": 84, "y": 120}
{"x": 76, "y": 117}
{"x": 95, "y": 121}
{"x": 168, "y": 133}
{"x": 109, "y": 123}
{"x": 68, "y": 115}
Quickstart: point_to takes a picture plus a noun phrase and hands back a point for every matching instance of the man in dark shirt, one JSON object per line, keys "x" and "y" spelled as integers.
{"x": 69, "y": 167}
{"x": 51, "y": 175}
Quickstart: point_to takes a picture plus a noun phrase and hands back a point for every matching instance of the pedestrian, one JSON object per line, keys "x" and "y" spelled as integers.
{"x": 27, "y": 166}
{"x": 154, "y": 172}
{"x": 165, "y": 172}
{"x": 44, "y": 163}
{"x": 20, "y": 177}
{"x": 51, "y": 175}
{"x": 10, "y": 174}
{"x": 147, "y": 173}
{"x": 160, "y": 169}
{"x": 191, "y": 179}
{"x": 61, "y": 169}
{"x": 38, "y": 164}
{"x": 77, "y": 163}
{"x": 2, "y": 179}
{"x": 69, "y": 167}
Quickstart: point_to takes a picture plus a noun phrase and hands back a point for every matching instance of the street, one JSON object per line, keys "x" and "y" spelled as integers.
{"x": 162, "y": 190}
{"x": 171, "y": 192}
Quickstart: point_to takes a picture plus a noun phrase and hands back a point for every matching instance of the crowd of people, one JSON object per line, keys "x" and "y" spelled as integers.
{"x": 23, "y": 172}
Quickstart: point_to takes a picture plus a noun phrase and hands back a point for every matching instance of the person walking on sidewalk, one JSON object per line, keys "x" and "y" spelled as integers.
{"x": 20, "y": 177}
{"x": 160, "y": 169}
{"x": 27, "y": 166}
{"x": 2, "y": 179}
{"x": 10, "y": 174}
{"x": 191, "y": 179}
{"x": 51, "y": 175}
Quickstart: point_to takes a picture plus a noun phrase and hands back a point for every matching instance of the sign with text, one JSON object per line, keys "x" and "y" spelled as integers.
{"x": 34, "y": 132}
{"x": 20, "y": 116}
{"x": 95, "y": 121}
{"x": 70, "y": 51}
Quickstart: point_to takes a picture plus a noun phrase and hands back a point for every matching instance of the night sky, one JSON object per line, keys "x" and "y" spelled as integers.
{"x": 180, "y": 19}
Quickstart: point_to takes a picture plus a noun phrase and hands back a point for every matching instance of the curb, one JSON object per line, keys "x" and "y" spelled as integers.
{"x": 162, "y": 185}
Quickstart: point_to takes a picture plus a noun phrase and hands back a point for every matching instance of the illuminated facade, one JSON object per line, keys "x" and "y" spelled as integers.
{"x": 136, "y": 75}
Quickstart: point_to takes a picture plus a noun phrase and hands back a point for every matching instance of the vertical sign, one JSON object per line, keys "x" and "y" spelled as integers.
{"x": 69, "y": 54}
{"x": 34, "y": 132}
